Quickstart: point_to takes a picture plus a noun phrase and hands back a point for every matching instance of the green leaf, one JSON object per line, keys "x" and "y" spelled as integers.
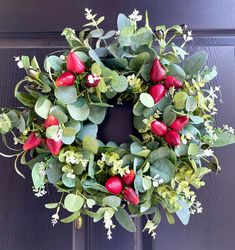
{"x": 68, "y": 135}
{"x": 193, "y": 149}
{"x": 43, "y": 106}
{"x": 71, "y": 218}
{"x": 76, "y": 125}
{"x": 112, "y": 201}
{"x": 136, "y": 148}
{"x": 180, "y": 100}
{"x": 96, "y": 69}
{"x": 147, "y": 100}
{"x": 92, "y": 184}
{"x": 184, "y": 213}
{"x": 122, "y": 21}
{"x": 37, "y": 176}
{"x": 137, "y": 62}
{"x": 223, "y": 139}
{"x": 67, "y": 181}
{"x": 138, "y": 183}
{"x": 54, "y": 171}
{"x": 66, "y": 95}
{"x": 88, "y": 129}
{"x": 97, "y": 114}
{"x": 5, "y": 124}
{"x": 95, "y": 57}
{"x": 90, "y": 144}
{"x": 168, "y": 115}
{"x": 124, "y": 219}
{"x": 118, "y": 83}
{"x": 55, "y": 62}
{"x": 25, "y": 61}
{"x": 73, "y": 202}
{"x": 176, "y": 71}
{"x": 164, "y": 168}
{"x": 191, "y": 104}
{"x": 25, "y": 99}
{"x": 195, "y": 62}
{"x": 147, "y": 183}
{"x": 162, "y": 152}
{"x": 116, "y": 63}
{"x": 59, "y": 112}
{"x": 51, "y": 205}
{"x": 82, "y": 55}
{"x": 79, "y": 110}
{"x": 182, "y": 149}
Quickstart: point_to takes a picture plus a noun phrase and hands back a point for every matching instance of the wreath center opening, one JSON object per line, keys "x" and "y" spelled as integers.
{"x": 117, "y": 125}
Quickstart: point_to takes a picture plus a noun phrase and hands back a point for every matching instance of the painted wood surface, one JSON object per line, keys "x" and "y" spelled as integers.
{"x": 28, "y": 27}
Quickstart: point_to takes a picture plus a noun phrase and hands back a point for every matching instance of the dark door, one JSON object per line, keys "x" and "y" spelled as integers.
{"x": 33, "y": 27}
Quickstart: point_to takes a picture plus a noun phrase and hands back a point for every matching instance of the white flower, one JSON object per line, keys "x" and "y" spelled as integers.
{"x": 151, "y": 227}
{"x": 108, "y": 223}
{"x": 135, "y": 16}
{"x": 229, "y": 129}
{"x": 55, "y": 217}
{"x": 208, "y": 152}
{"x": 88, "y": 14}
{"x": 188, "y": 37}
{"x": 19, "y": 62}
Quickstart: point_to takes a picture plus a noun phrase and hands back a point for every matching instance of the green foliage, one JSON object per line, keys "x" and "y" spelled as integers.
{"x": 73, "y": 202}
{"x": 195, "y": 62}
{"x": 164, "y": 168}
{"x": 124, "y": 219}
{"x": 79, "y": 110}
{"x": 43, "y": 106}
{"x": 165, "y": 176}
{"x": 66, "y": 95}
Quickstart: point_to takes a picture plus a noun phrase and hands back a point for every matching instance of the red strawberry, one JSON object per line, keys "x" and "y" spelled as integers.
{"x": 179, "y": 123}
{"x": 92, "y": 80}
{"x": 171, "y": 81}
{"x": 65, "y": 79}
{"x": 128, "y": 177}
{"x": 32, "y": 141}
{"x": 172, "y": 137}
{"x": 131, "y": 196}
{"x": 114, "y": 185}
{"x": 157, "y": 72}
{"x": 74, "y": 64}
{"x": 157, "y": 91}
{"x": 53, "y": 146}
{"x": 158, "y": 128}
{"x": 50, "y": 121}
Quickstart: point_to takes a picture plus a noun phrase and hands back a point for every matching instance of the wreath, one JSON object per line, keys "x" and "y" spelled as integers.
{"x": 159, "y": 168}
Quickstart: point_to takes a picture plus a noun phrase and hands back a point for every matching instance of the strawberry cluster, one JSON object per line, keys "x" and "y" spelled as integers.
{"x": 158, "y": 91}
{"x": 117, "y": 185}
{"x": 74, "y": 67}
{"x": 34, "y": 139}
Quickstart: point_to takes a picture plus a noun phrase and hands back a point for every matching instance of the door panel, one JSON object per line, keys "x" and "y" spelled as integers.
{"x": 25, "y": 223}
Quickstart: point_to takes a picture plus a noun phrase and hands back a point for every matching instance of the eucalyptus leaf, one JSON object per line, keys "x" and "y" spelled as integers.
{"x": 79, "y": 110}
{"x": 195, "y": 62}
{"x": 124, "y": 219}
{"x": 164, "y": 168}
{"x": 73, "y": 202}
{"x": 66, "y": 95}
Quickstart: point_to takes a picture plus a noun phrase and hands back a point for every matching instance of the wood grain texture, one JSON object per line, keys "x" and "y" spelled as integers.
{"x": 52, "y": 15}
{"x": 214, "y": 228}
{"x": 25, "y": 223}
{"x": 28, "y": 27}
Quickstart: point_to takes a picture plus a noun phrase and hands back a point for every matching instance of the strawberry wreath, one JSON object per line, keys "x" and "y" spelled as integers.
{"x": 158, "y": 170}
